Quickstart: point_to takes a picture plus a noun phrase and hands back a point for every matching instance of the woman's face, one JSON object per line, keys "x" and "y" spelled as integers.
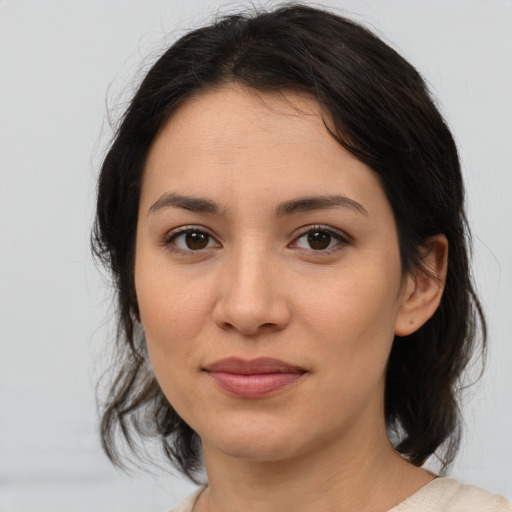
{"x": 268, "y": 277}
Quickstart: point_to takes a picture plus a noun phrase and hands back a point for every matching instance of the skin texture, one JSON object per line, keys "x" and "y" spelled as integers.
{"x": 258, "y": 289}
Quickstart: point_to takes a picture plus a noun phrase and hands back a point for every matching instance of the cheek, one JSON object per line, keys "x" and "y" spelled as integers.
{"x": 351, "y": 322}
{"x": 356, "y": 303}
{"x": 170, "y": 318}
{"x": 172, "y": 313}
{"x": 173, "y": 318}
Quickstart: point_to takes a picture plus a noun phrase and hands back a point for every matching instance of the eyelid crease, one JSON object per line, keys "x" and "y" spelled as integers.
{"x": 169, "y": 236}
{"x": 343, "y": 240}
{"x": 188, "y": 227}
{"x": 322, "y": 227}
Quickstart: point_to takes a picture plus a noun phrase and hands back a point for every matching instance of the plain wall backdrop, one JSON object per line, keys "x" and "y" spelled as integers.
{"x": 61, "y": 64}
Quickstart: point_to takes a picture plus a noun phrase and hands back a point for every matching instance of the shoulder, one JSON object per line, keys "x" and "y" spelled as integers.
{"x": 188, "y": 504}
{"x": 448, "y": 495}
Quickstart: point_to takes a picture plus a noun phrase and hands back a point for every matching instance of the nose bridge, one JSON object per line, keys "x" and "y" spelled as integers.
{"x": 249, "y": 298}
{"x": 252, "y": 268}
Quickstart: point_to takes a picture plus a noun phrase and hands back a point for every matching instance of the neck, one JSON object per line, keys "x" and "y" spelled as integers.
{"x": 364, "y": 474}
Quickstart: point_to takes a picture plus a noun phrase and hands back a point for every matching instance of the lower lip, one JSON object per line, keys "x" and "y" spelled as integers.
{"x": 256, "y": 385}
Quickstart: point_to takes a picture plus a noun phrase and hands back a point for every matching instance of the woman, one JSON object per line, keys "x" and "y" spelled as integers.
{"x": 282, "y": 212}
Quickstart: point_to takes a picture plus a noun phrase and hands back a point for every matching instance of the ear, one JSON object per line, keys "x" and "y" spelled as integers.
{"x": 423, "y": 288}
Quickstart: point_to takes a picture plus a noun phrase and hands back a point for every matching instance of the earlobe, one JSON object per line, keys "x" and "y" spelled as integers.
{"x": 424, "y": 287}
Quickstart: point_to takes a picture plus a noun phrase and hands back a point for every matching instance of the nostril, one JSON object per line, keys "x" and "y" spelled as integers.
{"x": 248, "y": 329}
{"x": 250, "y": 314}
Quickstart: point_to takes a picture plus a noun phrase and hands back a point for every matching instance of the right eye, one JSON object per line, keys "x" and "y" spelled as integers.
{"x": 190, "y": 239}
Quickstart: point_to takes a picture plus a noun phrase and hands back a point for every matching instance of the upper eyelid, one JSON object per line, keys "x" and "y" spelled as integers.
{"x": 342, "y": 238}
{"x": 188, "y": 227}
{"x": 298, "y": 232}
{"x": 172, "y": 234}
{"x": 321, "y": 227}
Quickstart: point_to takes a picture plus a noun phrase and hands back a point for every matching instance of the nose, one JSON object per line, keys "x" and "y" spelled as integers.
{"x": 251, "y": 297}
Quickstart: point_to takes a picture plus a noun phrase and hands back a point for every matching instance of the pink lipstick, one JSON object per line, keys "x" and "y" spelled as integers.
{"x": 255, "y": 378}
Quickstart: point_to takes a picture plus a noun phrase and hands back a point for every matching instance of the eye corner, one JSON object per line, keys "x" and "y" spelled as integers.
{"x": 190, "y": 240}
{"x": 329, "y": 240}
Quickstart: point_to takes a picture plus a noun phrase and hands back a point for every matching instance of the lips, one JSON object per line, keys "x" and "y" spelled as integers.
{"x": 256, "y": 378}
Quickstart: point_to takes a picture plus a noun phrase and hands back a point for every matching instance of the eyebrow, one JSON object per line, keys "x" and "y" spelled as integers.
{"x": 193, "y": 204}
{"x": 299, "y": 205}
{"x": 308, "y": 204}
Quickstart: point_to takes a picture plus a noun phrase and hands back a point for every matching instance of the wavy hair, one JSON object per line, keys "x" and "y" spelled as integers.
{"x": 382, "y": 113}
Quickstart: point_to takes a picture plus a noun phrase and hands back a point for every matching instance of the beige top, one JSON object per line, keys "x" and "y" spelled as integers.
{"x": 440, "y": 495}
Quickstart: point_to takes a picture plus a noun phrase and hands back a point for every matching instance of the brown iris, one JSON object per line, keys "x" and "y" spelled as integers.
{"x": 196, "y": 240}
{"x": 319, "y": 240}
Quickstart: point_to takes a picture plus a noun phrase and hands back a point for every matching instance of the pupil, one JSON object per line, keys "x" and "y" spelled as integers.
{"x": 319, "y": 240}
{"x": 196, "y": 240}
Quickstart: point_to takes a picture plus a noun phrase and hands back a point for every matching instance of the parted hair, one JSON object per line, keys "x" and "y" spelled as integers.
{"x": 383, "y": 113}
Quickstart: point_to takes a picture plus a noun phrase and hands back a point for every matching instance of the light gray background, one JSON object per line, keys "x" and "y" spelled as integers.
{"x": 57, "y": 61}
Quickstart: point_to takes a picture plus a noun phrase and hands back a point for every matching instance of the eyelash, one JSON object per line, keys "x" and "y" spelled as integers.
{"x": 170, "y": 238}
{"x": 342, "y": 239}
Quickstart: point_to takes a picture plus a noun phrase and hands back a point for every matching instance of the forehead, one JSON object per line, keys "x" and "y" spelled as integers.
{"x": 237, "y": 141}
{"x": 238, "y": 120}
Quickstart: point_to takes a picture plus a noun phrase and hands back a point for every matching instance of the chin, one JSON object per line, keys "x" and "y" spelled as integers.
{"x": 259, "y": 442}
{"x": 257, "y": 450}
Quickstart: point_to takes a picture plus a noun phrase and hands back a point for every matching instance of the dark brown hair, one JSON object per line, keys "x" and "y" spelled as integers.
{"x": 383, "y": 114}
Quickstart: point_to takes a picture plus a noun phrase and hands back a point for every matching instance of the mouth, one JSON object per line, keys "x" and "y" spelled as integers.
{"x": 255, "y": 378}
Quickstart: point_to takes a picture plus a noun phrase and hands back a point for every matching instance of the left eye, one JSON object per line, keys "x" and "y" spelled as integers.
{"x": 192, "y": 240}
{"x": 318, "y": 240}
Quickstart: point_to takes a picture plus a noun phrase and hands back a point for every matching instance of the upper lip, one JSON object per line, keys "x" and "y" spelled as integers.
{"x": 258, "y": 366}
